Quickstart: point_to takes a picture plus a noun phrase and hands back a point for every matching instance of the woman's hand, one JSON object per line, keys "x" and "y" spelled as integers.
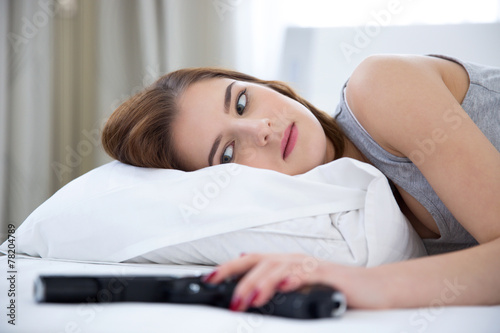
{"x": 268, "y": 273}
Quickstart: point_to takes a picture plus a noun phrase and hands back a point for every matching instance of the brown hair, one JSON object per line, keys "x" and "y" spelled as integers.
{"x": 139, "y": 130}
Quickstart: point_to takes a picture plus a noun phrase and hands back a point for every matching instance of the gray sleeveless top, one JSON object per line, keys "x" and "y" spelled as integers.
{"x": 482, "y": 104}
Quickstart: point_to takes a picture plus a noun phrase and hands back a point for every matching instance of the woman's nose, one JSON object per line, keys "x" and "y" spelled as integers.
{"x": 256, "y": 130}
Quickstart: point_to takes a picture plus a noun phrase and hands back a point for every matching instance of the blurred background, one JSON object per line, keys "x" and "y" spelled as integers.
{"x": 65, "y": 65}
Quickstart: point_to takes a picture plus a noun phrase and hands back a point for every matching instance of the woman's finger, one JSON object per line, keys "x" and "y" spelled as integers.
{"x": 257, "y": 286}
{"x": 232, "y": 268}
{"x": 264, "y": 274}
{"x": 273, "y": 272}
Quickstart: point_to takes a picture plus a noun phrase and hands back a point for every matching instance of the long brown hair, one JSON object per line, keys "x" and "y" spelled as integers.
{"x": 139, "y": 130}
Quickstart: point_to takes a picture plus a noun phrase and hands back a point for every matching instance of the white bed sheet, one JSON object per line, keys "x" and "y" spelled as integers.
{"x": 144, "y": 317}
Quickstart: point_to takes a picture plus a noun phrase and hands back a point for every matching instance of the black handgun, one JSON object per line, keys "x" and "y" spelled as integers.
{"x": 307, "y": 303}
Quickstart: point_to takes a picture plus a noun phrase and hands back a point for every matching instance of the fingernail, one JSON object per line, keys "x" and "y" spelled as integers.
{"x": 282, "y": 283}
{"x": 207, "y": 278}
{"x": 243, "y": 254}
{"x": 253, "y": 297}
{"x": 235, "y": 303}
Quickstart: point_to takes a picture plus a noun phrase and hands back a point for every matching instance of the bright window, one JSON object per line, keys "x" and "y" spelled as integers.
{"x": 327, "y": 13}
{"x": 270, "y": 18}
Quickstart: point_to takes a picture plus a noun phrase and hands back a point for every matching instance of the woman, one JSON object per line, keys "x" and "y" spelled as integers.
{"x": 430, "y": 124}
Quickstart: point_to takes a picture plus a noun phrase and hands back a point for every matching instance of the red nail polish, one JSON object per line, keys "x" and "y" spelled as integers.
{"x": 207, "y": 278}
{"x": 235, "y": 303}
{"x": 253, "y": 297}
{"x": 282, "y": 283}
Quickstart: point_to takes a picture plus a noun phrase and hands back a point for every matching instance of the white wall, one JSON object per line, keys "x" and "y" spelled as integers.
{"x": 318, "y": 61}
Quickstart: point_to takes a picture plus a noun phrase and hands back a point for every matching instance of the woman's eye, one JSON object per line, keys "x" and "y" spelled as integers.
{"x": 241, "y": 103}
{"x": 227, "y": 156}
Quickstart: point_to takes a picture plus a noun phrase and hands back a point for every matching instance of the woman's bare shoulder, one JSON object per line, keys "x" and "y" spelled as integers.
{"x": 384, "y": 90}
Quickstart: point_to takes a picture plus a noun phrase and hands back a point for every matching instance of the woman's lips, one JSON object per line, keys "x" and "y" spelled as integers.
{"x": 289, "y": 140}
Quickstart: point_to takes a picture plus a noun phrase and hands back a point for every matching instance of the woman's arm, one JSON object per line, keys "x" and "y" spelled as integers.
{"x": 409, "y": 103}
{"x": 404, "y": 103}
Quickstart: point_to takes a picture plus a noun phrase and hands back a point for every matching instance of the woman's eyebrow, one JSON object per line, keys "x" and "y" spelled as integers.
{"x": 227, "y": 98}
{"x": 215, "y": 146}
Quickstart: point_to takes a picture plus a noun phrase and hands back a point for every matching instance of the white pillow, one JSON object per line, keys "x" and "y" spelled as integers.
{"x": 343, "y": 211}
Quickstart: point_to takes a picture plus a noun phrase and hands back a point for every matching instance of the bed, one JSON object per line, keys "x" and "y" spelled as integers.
{"x": 121, "y": 220}
{"x": 142, "y": 317}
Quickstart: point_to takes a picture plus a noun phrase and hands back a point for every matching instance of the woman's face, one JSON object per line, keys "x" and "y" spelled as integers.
{"x": 228, "y": 121}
